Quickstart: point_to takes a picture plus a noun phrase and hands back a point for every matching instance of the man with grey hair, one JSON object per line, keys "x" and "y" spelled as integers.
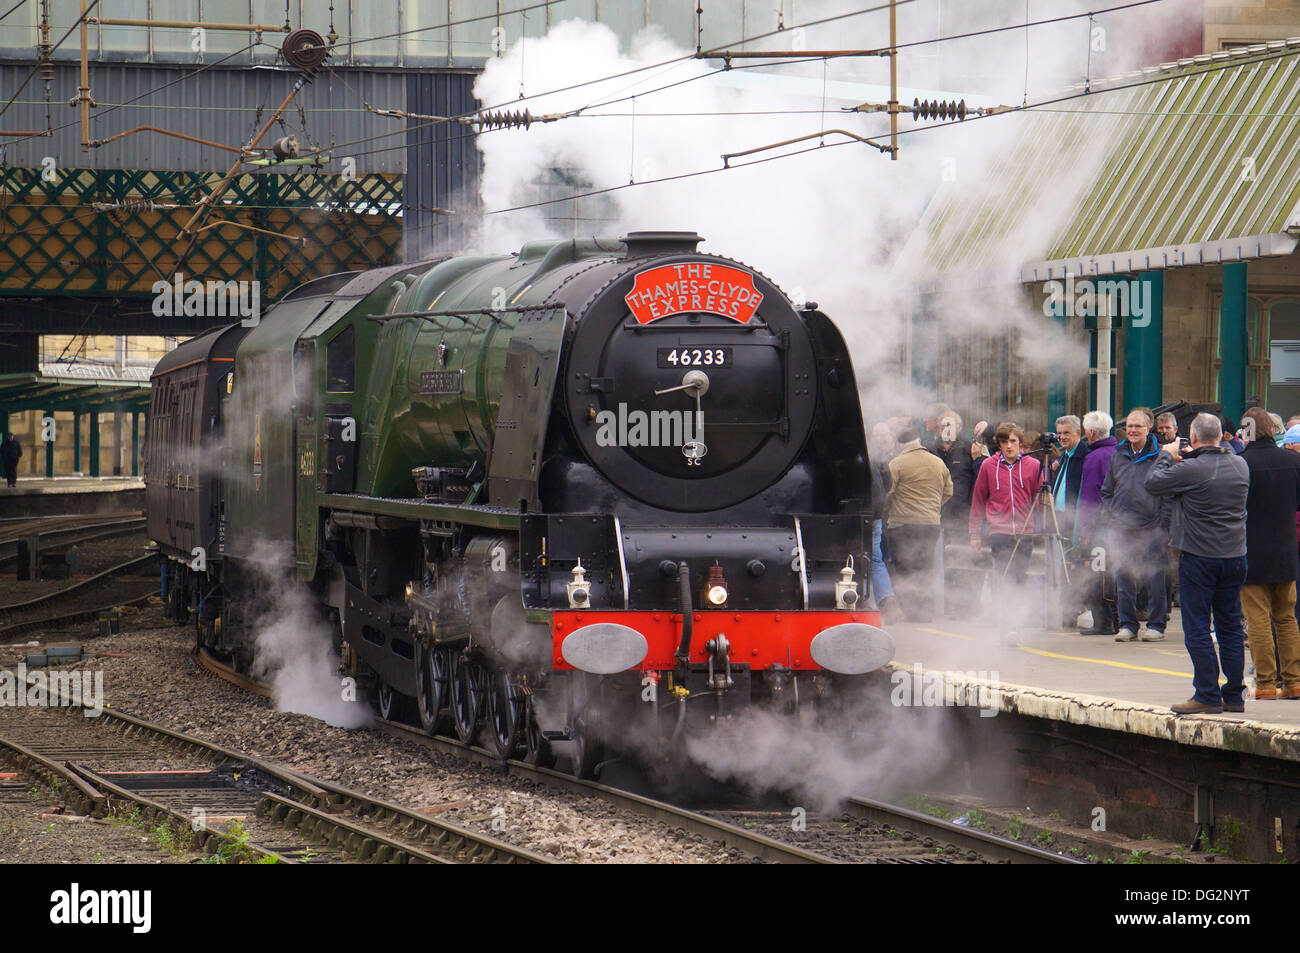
{"x": 1097, "y": 425}
{"x": 1208, "y": 487}
{"x": 1138, "y": 530}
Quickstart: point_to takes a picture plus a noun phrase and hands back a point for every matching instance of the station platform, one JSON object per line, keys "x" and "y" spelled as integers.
{"x": 1090, "y": 680}
{"x": 62, "y": 495}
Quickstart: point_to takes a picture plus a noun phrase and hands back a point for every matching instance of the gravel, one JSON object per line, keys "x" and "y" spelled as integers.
{"x": 157, "y": 680}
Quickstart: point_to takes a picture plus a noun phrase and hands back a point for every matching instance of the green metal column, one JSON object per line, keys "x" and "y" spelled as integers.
{"x": 4, "y": 422}
{"x": 1144, "y": 341}
{"x": 1056, "y": 378}
{"x": 94, "y": 443}
{"x": 1232, "y": 340}
{"x": 76, "y": 441}
{"x": 135, "y": 443}
{"x": 49, "y": 445}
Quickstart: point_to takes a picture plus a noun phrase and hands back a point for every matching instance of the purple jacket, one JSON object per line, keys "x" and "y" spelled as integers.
{"x": 1094, "y": 474}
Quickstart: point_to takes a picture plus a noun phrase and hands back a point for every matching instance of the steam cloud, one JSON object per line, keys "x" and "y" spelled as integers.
{"x": 836, "y": 225}
{"x": 293, "y": 647}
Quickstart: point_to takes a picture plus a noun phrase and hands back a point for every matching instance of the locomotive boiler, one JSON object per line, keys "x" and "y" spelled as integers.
{"x": 595, "y": 489}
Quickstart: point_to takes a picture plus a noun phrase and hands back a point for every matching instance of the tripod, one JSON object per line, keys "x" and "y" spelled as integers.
{"x": 1056, "y": 577}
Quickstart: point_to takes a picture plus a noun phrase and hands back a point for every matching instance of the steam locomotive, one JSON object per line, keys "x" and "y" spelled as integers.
{"x": 552, "y": 499}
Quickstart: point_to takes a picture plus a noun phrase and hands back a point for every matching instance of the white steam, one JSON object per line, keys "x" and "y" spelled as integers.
{"x": 830, "y": 225}
{"x": 293, "y": 647}
{"x": 869, "y": 747}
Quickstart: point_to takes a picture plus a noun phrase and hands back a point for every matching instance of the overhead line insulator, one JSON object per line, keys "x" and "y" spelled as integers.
{"x": 939, "y": 109}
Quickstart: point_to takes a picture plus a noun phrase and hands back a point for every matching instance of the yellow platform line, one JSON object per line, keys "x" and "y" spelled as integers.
{"x": 951, "y": 635}
{"x": 1100, "y": 661}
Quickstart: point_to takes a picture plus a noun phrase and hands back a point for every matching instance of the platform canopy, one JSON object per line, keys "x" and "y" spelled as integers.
{"x": 1187, "y": 163}
{"x": 79, "y": 387}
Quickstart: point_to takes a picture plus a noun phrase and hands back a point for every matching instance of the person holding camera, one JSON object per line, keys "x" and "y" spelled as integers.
{"x": 919, "y": 486}
{"x": 1138, "y": 530}
{"x": 1208, "y": 488}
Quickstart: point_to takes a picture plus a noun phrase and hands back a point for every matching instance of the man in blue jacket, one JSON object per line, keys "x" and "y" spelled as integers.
{"x": 1137, "y": 525}
{"x": 1208, "y": 488}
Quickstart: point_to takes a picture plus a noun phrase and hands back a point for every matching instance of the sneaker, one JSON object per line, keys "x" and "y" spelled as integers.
{"x": 1126, "y": 635}
{"x": 1084, "y": 621}
{"x": 1152, "y": 635}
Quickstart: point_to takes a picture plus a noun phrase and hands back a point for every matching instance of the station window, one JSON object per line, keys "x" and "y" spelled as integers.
{"x": 340, "y": 363}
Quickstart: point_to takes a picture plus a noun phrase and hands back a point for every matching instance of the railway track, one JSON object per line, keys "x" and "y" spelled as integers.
{"x": 755, "y": 846}
{"x": 133, "y": 564}
{"x": 117, "y": 763}
{"x": 56, "y": 532}
{"x": 88, "y": 599}
{"x": 883, "y": 833}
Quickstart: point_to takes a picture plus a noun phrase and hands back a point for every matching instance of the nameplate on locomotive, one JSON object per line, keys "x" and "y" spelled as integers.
{"x": 441, "y": 382}
{"x": 692, "y": 287}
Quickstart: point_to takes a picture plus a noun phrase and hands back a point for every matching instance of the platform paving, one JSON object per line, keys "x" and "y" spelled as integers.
{"x": 1092, "y": 680}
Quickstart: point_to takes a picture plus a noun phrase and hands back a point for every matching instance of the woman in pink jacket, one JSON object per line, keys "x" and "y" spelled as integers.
{"x": 1004, "y": 495}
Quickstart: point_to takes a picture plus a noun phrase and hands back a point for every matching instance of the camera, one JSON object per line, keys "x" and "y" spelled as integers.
{"x": 1048, "y": 440}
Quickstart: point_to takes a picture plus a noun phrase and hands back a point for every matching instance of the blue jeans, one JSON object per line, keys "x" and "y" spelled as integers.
{"x": 1148, "y": 561}
{"x": 880, "y": 587}
{"x": 1208, "y": 585}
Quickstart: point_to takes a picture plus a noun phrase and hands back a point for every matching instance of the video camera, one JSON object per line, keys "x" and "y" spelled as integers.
{"x": 1048, "y": 440}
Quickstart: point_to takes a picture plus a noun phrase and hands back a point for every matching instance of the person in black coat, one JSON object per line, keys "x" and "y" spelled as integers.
{"x": 950, "y": 447}
{"x": 961, "y": 586}
{"x": 1269, "y": 593}
{"x": 11, "y": 452}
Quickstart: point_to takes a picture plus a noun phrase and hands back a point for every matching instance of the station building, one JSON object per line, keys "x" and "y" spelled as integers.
{"x": 1181, "y": 185}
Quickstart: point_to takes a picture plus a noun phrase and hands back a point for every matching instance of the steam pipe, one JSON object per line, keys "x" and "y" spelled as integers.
{"x": 688, "y": 611}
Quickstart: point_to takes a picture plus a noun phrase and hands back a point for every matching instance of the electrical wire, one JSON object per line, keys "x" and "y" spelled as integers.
{"x": 37, "y": 66}
{"x": 938, "y": 125}
{"x": 157, "y": 89}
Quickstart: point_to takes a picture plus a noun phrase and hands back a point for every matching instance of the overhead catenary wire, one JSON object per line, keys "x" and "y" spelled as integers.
{"x": 1214, "y": 67}
{"x": 5, "y": 108}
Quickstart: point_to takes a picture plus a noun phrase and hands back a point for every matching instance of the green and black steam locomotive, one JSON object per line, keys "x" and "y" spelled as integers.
{"x": 538, "y": 497}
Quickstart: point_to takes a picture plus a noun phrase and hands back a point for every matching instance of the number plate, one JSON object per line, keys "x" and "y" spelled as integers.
{"x": 440, "y": 382}
{"x": 694, "y": 357}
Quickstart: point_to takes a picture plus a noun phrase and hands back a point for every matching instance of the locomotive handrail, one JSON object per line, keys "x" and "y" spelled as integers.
{"x": 461, "y": 312}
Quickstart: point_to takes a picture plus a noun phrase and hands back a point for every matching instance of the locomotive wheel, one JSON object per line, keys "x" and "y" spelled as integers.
{"x": 392, "y": 704}
{"x": 587, "y": 752}
{"x": 466, "y": 698}
{"x": 537, "y": 750}
{"x": 431, "y": 687}
{"x": 505, "y": 714}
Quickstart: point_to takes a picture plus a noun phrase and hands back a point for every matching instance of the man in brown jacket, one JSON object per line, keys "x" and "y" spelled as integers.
{"x": 920, "y": 485}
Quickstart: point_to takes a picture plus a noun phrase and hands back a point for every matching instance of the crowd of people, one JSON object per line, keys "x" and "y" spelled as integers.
{"x": 1143, "y": 519}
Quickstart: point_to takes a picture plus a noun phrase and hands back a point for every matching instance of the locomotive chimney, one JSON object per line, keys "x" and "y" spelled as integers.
{"x": 646, "y": 244}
